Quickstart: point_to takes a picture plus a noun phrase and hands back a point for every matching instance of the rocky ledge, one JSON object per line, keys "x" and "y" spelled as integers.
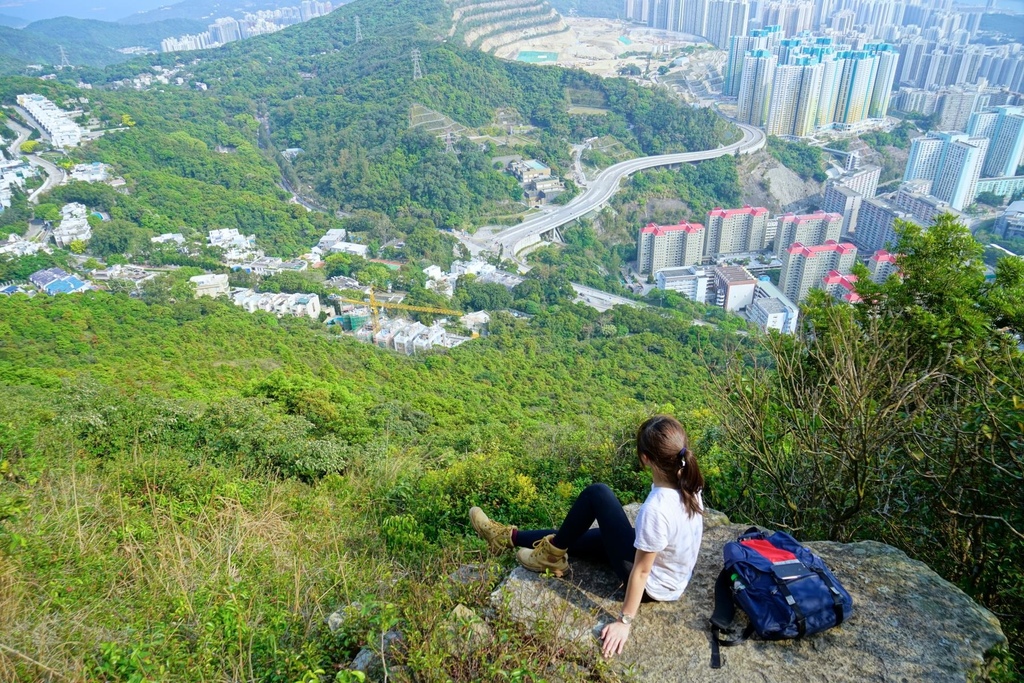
{"x": 909, "y": 624}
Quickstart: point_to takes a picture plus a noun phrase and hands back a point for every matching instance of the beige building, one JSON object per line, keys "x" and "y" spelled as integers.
{"x": 811, "y": 229}
{"x": 804, "y": 268}
{"x": 735, "y": 231}
{"x": 669, "y": 246}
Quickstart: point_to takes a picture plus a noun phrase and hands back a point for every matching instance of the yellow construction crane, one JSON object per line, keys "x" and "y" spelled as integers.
{"x": 375, "y": 307}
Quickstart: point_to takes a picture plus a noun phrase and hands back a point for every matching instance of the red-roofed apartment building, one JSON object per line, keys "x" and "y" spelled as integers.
{"x": 882, "y": 264}
{"x": 841, "y": 287}
{"x": 805, "y": 267}
{"x": 815, "y": 228}
{"x": 736, "y": 231}
{"x": 669, "y": 246}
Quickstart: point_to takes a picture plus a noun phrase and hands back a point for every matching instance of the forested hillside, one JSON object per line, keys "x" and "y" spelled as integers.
{"x": 348, "y": 107}
{"x": 188, "y": 490}
{"x": 240, "y": 476}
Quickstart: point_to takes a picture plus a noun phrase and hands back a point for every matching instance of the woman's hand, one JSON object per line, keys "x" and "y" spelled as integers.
{"x": 614, "y": 636}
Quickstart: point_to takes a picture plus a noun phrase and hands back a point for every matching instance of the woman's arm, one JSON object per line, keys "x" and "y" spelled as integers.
{"x": 616, "y": 633}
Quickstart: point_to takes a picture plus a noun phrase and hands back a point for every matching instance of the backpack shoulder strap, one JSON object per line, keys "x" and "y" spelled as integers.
{"x": 722, "y": 618}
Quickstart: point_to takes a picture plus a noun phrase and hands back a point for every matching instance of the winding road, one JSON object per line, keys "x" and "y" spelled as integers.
{"x": 513, "y": 240}
{"x": 53, "y": 174}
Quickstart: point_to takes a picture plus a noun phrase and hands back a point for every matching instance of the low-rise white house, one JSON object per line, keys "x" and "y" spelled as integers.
{"x": 73, "y": 226}
{"x": 214, "y": 284}
{"x": 299, "y": 305}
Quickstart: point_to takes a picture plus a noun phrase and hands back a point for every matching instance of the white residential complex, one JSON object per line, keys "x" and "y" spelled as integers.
{"x": 228, "y": 29}
{"x": 54, "y": 121}
{"x": 794, "y": 87}
{"x": 669, "y": 246}
{"x": 804, "y": 268}
{"x": 73, "y": 226}
{"x": 1004, "y": 128}
{"x": 951, "y": 162}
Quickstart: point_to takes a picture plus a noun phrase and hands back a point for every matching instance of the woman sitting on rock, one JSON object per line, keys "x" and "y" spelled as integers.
{"x": 655, "y": 559}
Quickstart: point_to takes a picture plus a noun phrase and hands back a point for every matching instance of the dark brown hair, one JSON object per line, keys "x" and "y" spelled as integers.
{"x": 667, "y": 447}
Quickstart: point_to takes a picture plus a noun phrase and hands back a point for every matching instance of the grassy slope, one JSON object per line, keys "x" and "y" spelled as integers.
{"x": 136, "y": 540}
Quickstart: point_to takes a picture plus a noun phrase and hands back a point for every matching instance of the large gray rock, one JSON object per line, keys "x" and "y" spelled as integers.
{"x": 909, "y": 624}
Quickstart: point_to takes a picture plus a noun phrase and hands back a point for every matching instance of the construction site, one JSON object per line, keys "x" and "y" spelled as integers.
{"x": 379, "y": 322}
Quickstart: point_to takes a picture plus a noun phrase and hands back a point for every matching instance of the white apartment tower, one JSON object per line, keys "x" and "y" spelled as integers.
{"x": 793, "y": 108}
{"x": 856, "y": 83}
{"x": 735, "y": 231}
{"x": 810, "y": 229}
{"x": 887, "y": 58}
{"x": 669, "y": 246}
{"x": 952, "y": 162}
{"x": 804, "y": 268}
{"x": 756, "y": 87}
{"x": 726, "y": 18}
{"x": 1004, "y": 127}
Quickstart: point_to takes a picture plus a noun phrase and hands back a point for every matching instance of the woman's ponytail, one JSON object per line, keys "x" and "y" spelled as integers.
{"x": 667, "y": 447}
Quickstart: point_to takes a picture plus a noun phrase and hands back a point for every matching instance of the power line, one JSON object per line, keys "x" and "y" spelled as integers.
{"x": 64, "y": 63}
{"x": 417, "y": 73}
{"x": 359, "y": 31}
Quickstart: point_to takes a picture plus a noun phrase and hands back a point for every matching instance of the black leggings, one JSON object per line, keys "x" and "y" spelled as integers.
{"x": 612, "y": 541}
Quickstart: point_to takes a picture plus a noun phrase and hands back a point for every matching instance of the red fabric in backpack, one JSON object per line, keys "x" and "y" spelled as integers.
{"x": 768, "y": 551}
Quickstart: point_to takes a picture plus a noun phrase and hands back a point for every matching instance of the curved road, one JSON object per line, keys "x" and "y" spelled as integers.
{"x": 514, "y": 239}
{"x": 54, "y": 175}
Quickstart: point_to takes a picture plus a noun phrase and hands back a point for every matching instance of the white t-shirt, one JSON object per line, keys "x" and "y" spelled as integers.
{"x": 664, "y": 527}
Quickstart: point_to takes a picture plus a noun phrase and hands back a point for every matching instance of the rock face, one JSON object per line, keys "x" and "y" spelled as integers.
{"x": 909, "y": 624}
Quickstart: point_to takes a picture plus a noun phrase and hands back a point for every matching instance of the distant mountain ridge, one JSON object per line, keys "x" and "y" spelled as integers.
{"x": 87, "y": 42}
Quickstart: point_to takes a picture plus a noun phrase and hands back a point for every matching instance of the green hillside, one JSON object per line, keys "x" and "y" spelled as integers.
{"x": 188, "y": 490}
{"x": 350, "y": 111}
{"x": 113, "y": 35}
{"x": 32, "y": 48}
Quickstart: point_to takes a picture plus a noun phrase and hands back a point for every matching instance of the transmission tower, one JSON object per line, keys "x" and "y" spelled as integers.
{"x": 64, "y": 63}
{"x": 449, "y": 144}
{"x": 359, "y": 31}
{"x": 417, "y": 73}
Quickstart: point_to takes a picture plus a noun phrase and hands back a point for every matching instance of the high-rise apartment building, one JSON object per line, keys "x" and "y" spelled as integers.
{"x": 882, "y": 265}
{"x": 669, "y": 246}
{"x": 739, "y": 45}
{"x": 804, "y": 268}
{"x": 1004, "y": 128}
{"x": 887, "y": 61}
{"x": 735, "y": 231}
{"x": 811, "y": 229}
{"x": 952, "y": 162}
{"x": 793, "y": 108}
{"x": 694, "y": 17}
{"x": 726, "y": 18}
{"x": 876, "y": 224}
{"x": 844, "y": 201}
{"x": 863, "y": 180}
{"x": 756, "y": 87}
{"x": 856, "y": 83}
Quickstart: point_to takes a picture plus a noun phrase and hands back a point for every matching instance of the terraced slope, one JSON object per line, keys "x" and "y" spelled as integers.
{"x": 490, "y": 25}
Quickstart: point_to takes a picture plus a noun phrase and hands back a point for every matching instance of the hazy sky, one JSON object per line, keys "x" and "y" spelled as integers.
{"x": 108, "y": 10}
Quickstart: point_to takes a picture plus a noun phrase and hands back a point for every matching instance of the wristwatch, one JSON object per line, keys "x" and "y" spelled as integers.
{"x": 626, "y": 619}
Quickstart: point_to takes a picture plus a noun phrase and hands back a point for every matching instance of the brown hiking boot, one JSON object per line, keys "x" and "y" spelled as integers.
{"x": 544, "y": 556}
{"x": 498, "y": 536}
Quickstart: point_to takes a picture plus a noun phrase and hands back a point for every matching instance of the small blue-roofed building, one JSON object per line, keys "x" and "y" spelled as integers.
{"x": 55, "y": 281}
{"x": 11, "y": 290}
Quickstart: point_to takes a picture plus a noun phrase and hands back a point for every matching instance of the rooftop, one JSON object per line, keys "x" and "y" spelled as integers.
{"x": 882, "y": 256}
{"x": 829, "y": 246}
{"x": 746, "y": 210}
{"x": 734, "y": 275}
{"x": 659, "y": 230}
{"x": 816, "y": 216}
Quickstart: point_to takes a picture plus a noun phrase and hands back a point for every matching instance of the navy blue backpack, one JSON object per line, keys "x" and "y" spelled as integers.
{"x": 785, "y": 590}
